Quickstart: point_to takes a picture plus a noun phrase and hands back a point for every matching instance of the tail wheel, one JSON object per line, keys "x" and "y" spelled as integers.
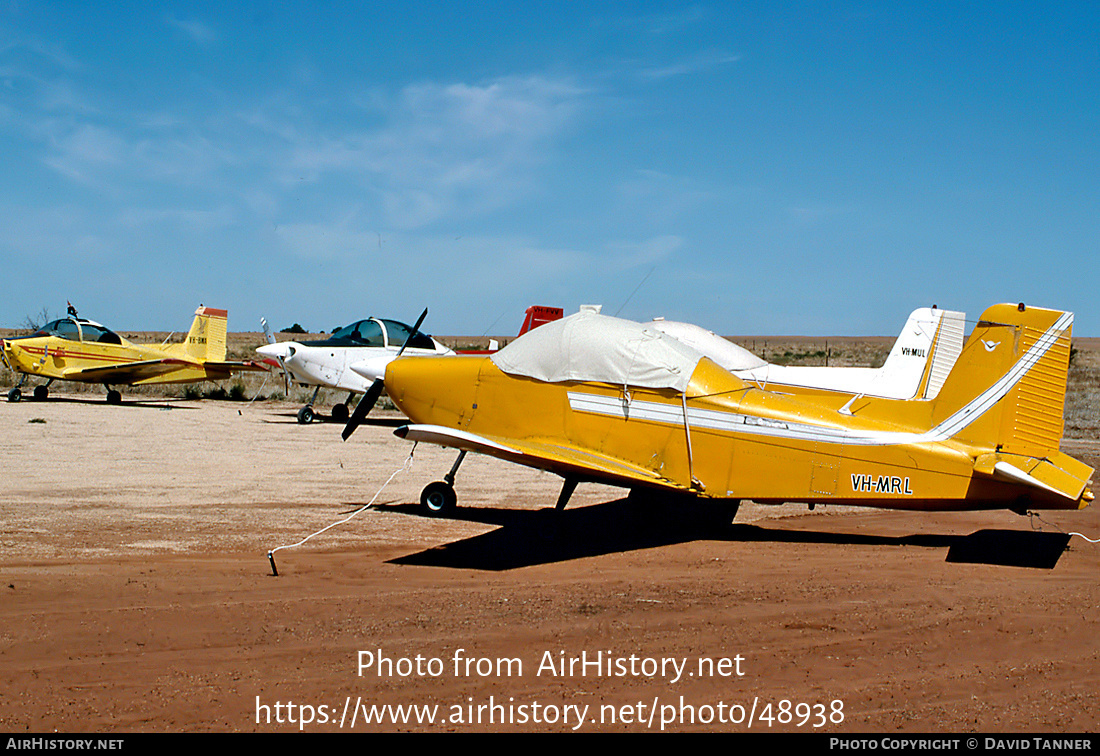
{"x": 438, "y": 499}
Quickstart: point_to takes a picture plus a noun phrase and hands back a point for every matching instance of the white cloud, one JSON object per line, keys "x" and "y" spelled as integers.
{"x": 660, "y": 24}
{"x": 448, "y": 150}
{"x": 83, "y": 152}
{"x": 704, "y": 61}
{"x": 198, "y": 221}
{"x": 196, "y": 31}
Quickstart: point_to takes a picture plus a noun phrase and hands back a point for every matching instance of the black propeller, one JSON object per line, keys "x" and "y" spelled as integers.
{"x": 366, "y": 404}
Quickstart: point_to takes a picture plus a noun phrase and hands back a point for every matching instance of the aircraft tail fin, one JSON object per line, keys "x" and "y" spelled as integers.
{"x": 1007, "y": 388}
{"x": 922, "y": 356}
{"x": 537, "y": 315}
{"x": 206, "y": 339}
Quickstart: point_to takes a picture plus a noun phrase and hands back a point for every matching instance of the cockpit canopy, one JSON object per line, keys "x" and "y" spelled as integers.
{"x": 75, "y": 329}
{"x": 376, "y": 332}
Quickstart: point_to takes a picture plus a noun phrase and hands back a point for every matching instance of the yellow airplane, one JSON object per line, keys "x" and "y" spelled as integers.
{"x": 593, "y": 398}
{"x": 75, "y": 349}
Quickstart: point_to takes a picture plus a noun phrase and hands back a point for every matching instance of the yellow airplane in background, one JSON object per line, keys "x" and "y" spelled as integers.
{"x": 75, "y": 349}
{"x": 599, "y": 399}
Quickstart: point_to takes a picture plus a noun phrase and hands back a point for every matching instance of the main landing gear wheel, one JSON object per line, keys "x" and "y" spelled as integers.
{"x": 340, "y": 413}
{"x": 305, "y": 415}
{"x": 438, "y": 499}
{"x": 113, "y": 397}
{"x": 40, "y": 393}
{"x": 15, "y": 395}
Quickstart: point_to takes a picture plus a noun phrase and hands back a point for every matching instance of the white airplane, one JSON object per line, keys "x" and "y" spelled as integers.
{"x": 916, "y": 367}
{"x": 352, "y": 359}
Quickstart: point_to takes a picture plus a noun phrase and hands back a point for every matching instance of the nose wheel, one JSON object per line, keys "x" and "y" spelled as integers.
{"x": 305, "y": 414}
{"x": 438, "y": 499}
{"x": 15, "y": 394}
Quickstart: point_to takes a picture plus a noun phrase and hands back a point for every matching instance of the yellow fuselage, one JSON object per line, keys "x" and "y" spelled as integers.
{"x": 738, "y": 441}
{"x": 59, "y": 358}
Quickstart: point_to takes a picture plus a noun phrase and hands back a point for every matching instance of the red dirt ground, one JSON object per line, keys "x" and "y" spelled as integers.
{"x": 137, "y": 594}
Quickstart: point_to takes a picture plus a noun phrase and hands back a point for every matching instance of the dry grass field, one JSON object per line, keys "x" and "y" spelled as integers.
{"x": 136, "y": 594}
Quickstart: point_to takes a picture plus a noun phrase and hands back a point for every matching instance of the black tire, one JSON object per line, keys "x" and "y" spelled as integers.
{"x": 114, "y": 397}
{"x": 40, "y": 393}
{"x": 438, "y": 499}
{"x": 340, "y": 413}
{"x": 15, "y": 395}
{"x": 305, "y": 415}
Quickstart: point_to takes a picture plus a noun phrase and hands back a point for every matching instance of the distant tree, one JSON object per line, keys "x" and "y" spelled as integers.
{"x": 294, "y": 329}
{"x": 34, "y": 322}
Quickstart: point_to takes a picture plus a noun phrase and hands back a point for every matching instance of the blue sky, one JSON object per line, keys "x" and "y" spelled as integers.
{"x": 756, "y": 167}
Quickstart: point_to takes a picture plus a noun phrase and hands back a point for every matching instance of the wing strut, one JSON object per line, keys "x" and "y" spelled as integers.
{"x": 567, "y": 489}
{"x": 695, "y": 482}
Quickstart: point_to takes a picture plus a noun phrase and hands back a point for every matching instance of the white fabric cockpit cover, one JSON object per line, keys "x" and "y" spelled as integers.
{"x": 592, "y": 347}
{"x": 724, "y": 352}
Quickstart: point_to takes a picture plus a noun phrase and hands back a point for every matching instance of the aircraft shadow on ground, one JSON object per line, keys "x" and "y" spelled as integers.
{"x": 319, "y": 419}
{"x": 525, "y": 538}
{"x": 150, "y": 403}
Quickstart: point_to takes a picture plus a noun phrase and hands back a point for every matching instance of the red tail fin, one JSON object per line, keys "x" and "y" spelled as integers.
{"x": 538, "y": 315}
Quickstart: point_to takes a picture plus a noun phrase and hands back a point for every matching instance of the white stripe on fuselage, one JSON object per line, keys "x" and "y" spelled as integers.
{"x": 673, "y": 414}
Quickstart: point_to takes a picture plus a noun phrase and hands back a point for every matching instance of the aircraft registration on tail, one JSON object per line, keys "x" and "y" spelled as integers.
{"x": 76, "y": 349}
{"x": 594, "y": 398}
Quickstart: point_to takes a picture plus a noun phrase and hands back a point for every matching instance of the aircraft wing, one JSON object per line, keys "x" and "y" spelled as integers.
{"x": 128, "y": 372}
{"x": 543, "y": 455}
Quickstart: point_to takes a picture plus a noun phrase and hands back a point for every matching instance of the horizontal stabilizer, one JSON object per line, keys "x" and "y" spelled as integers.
{"x": 235, "y": 365}
{"x": 1058, "y": 473}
